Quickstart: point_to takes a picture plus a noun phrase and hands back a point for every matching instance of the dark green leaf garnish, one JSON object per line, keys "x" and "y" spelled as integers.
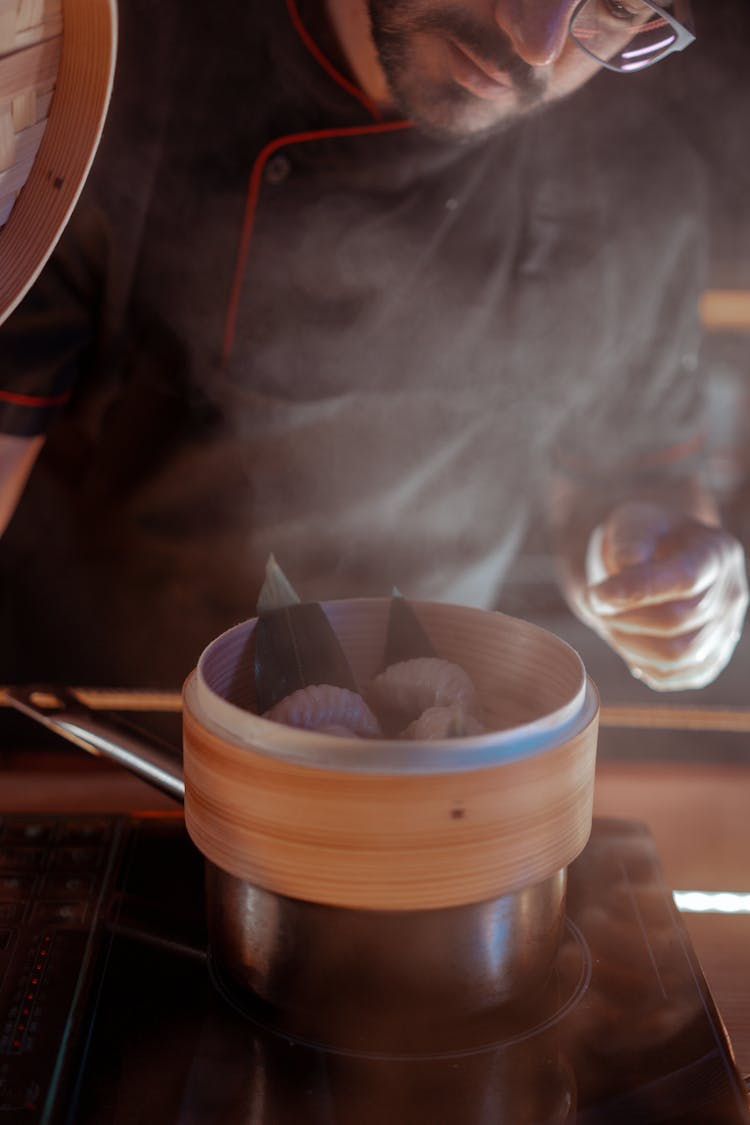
{"x": 295, "y": 646}
{"x": 406, "y": 639}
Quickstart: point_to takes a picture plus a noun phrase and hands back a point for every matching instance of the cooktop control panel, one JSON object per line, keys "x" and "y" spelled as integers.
{"x": 55, "y": 876}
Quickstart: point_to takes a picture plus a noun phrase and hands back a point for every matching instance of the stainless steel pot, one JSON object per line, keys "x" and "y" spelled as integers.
{"x": 382, "y": 980}
{"x": 395, "y": 981}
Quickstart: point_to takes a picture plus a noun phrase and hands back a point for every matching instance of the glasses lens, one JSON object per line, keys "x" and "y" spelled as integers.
{"x": 627, "y": 34}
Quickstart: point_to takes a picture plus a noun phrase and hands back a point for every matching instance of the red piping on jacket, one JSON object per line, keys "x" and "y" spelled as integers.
{"x": 371, "y": 106}
{"x": 253, "y": 190}
{"x": 34, "y": 400}
{"x": 251, "y": 204}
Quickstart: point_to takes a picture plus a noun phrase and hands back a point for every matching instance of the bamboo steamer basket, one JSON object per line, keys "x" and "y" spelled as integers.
{"x": 57, "y": 62}
{"x": 391, "y": 895}
{"x": 393, "y": 824}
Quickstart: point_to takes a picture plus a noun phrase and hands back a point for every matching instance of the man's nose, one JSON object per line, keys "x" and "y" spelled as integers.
{"x": 538, "y": 29}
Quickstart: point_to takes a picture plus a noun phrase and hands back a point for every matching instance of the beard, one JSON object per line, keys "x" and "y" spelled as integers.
{"x": 413, "y": 45}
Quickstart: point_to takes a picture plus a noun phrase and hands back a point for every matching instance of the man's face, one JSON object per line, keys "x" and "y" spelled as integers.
{"x": 464, "y": 67}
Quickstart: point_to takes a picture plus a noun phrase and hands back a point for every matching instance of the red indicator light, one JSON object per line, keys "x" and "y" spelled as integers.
{"x": 35, "y": 981}
{"x": 29, "y": 995}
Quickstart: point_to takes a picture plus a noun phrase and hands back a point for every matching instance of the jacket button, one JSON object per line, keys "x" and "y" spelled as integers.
{"x": 277, "y": 169}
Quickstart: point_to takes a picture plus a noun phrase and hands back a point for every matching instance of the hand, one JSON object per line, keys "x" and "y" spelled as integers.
{"x": 667, "y": 592}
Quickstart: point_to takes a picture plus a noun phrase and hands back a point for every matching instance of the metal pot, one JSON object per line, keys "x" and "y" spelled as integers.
{"x": 392, "y": 981}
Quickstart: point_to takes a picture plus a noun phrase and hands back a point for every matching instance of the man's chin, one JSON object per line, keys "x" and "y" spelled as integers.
{"x": 457, "y": 115}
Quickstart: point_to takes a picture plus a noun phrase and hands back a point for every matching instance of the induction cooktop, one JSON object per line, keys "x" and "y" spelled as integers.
{"x": 109, "y": 1015}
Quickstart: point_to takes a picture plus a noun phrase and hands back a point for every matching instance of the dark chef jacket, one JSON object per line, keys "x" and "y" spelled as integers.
{"x": 278, "y": 323}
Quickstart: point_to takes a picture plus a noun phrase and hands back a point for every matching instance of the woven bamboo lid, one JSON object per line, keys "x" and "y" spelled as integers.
{"x": 56, "y": 69}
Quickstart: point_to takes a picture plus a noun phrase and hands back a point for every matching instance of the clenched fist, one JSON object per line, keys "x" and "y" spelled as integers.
{"x": 667, "y": 592}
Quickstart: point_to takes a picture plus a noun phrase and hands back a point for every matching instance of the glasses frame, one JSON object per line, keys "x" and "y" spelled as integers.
{"x": 683, "y": 36}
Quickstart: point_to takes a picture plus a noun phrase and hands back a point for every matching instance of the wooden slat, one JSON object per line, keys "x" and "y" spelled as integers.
{"x": 8, "y": 144}
{"x": 114, "y": 699}
{"x": 28, "y": 141}
{"x": 24, "y": 110}
{"x": 26, "y": 22}
{"x": 664, "y": 717}
{"x": 29, "y": 68}
{"x": 50, "y": 28}
{"x": 8, "y": 26}
{"x": 30, "y": 14}
{"x": 726, "y": 310}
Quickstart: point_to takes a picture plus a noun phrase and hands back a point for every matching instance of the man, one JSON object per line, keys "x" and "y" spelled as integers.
{"x": 466, "y": 68}
{"x": 339, "y": 291}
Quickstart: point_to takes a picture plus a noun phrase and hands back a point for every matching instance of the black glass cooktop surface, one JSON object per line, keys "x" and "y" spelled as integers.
{"x": 109, "y": 1016}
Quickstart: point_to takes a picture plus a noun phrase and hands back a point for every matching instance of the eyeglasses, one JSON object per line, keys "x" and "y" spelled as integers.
{"x": 628, "y": 35}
